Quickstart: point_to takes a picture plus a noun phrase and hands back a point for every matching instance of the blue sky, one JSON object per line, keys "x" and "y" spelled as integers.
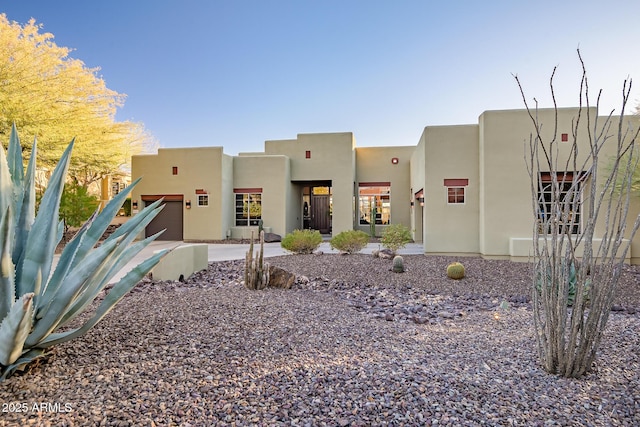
{"x": 235, "y": 73}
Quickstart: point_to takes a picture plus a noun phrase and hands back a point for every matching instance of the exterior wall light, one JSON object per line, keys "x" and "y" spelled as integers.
{"x": 134, "y": 204}
{"x": 394, "y": 160}
{"x": 187, "y": 204}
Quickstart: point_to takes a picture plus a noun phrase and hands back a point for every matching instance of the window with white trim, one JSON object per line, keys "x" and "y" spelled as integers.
{"x": 456, "y": 190}
{"x": 455, "y": 195}
{"x": 203, "y": 200}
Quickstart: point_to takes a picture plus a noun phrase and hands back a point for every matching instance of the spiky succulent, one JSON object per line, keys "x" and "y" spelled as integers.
{"x": 37, "y": 295}
{"x": 455, "y": 270}
{"x": 398, "y": 264}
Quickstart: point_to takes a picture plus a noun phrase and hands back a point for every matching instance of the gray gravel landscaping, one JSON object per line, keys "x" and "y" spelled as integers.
{"x": 351, "y": 344}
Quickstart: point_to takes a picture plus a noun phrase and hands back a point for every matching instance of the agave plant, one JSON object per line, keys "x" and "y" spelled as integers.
{"x": 39, "y": 296}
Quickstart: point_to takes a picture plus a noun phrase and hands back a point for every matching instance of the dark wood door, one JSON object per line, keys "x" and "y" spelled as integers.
{"x": 320, "y": 213}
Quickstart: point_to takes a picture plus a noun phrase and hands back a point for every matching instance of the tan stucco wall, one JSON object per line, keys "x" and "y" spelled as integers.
{"x": 451, "y": 152}
{"x": 416, "y": 168}
{"x": 332, "y": 158}
{"x": 506, "y": 209}
{"x": 271, "y": 173}
{"x": 228, "y": 201}
{"x": 198, "y": 168}
{"x": 373, "y": 164}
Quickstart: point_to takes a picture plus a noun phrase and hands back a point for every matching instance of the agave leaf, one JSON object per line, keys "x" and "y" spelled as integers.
{"x": 6, "y": 184}
{"x": 26, "y": 208}
{"x": 120, "y": 257}
{"x": 7, "y": 289}
{"x": 75, "y": 282}
{"x": 15, "y": 328}
{"x": 14, "y": 154}
{"x": 16, "y": 169}
{"x": 92, "y": 291}
{"x": 146, "y": 215}
{"x": 42, "y": 238}
{"x": 73, "y": 254}
{"x": 65, "y": 263}
{"x": 100, "y": 223}
{"x": 23, "y": 361}
{"x": 119, "y": 290}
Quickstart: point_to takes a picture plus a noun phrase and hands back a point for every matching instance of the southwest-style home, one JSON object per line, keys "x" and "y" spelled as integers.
{"x": 462, "y": 189}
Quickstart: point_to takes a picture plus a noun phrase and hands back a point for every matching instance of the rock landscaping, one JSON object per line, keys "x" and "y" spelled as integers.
{"x": 351, "y": 343}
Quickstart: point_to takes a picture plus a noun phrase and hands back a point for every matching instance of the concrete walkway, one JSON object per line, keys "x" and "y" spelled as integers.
{"x": 227, "y": 252}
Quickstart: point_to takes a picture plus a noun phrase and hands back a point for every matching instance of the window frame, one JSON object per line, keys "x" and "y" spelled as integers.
{"x": 459, "y": 195}
{"x": 382, "y": 199}
{"x": 249, "y": 198}
{"x": 203, "y": 198}
{"x": 565, "y": 182}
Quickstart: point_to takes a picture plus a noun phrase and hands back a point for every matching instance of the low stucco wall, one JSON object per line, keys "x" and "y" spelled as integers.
{"x": 182, "y": 261}
{"x": 521, "y": 248}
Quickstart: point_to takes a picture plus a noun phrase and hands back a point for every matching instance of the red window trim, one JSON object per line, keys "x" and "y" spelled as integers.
{"x": 456, "y": 182}
{"x": 374, "y": 184}
{"x": 247, "y": 190}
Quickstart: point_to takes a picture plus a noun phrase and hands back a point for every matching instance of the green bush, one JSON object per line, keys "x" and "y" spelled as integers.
{"x": 350, "y": 241}
{"x": 127, "y": 207}
{"x": 76, "y": 205}
{"x": 302, "y": 241}
{"x": 395, "y": 237}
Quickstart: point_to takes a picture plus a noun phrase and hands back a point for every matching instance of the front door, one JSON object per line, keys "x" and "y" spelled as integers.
{"x": 320, "y": 213}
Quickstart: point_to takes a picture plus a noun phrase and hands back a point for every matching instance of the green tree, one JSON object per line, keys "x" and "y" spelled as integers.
{"x": 51, "y": 96}
{"x": 76, "y": 205}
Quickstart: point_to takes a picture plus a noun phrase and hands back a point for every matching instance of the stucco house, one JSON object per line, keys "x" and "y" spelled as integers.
{"x": 463, "y": 189}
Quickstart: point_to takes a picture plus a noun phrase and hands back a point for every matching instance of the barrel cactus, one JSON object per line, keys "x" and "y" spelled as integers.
{"x": 398, "y": 264}
{"x": 455, "y": 271}
{"x": 38, "y": 296}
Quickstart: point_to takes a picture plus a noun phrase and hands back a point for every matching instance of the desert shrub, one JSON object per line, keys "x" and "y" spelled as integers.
{"x": 350, "y": 241}
{"x": 396, "y": 237}
{"x": 302, "y": 241}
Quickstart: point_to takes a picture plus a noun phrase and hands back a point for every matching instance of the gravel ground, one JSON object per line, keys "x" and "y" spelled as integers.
{"x": 352, "y": 344}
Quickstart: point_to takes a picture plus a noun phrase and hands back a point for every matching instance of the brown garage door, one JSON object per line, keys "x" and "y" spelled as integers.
{"x": 169, "y": 219}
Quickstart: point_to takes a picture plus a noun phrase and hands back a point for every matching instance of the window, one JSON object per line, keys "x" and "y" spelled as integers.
{"x": 456, "y": 189}
{"x": 248, "y": 208}
{"x": 374, "y": 202}
{"x": 455, "y": 195}
{"x": 567, "y": 197}
{"x": 203, "y": 200}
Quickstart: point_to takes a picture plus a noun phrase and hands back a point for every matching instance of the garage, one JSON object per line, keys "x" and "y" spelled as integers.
{"x": 169, "y": 219}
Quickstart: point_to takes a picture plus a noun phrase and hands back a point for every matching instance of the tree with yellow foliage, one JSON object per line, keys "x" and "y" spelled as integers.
{"x": 54, "y": 97}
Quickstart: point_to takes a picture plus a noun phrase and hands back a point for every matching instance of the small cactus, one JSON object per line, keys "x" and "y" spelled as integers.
{"x": 398, "y": 264}
{"x": 256, "y": 270}
{"x": 455, "y": 271}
